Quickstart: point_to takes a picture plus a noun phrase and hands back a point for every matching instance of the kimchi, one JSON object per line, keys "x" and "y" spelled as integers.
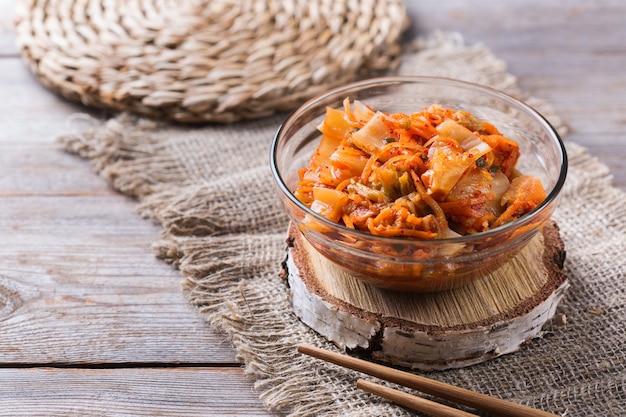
{"x": 435, "y": 173}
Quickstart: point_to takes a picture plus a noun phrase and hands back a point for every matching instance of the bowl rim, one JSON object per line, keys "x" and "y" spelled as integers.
{"x": 414, "y": 79}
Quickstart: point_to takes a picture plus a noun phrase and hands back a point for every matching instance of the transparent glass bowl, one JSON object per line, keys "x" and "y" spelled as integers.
{"x": 426, "y": 265}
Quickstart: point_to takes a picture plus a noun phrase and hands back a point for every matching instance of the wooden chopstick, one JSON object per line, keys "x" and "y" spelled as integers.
{"x": 411, "y": 401}
{"x": 495, "y": 406}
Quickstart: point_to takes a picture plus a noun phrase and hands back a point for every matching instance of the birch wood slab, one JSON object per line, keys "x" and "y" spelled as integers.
{"x": 487, "y": 318}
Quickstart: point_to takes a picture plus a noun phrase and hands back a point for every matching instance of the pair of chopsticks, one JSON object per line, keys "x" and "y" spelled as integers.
{"x": 478, "y": 401}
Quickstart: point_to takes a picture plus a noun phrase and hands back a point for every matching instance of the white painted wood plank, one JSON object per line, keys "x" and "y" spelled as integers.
{"x": 7, "y": 34}
{"x": 79, "y": 284}
{"x": 52, "y": 392}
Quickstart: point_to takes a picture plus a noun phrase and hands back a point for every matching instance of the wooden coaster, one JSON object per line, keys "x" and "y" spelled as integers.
{"x": 487, "y": 318}
{"x": 205, "y": 60}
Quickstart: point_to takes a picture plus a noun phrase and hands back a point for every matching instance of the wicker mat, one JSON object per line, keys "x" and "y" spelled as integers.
{"x": 211, "y": 189}
{"x": 205, "y": 60}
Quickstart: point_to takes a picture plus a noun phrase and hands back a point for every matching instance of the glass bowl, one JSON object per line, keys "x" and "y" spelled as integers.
{"x": 423, "y": 265}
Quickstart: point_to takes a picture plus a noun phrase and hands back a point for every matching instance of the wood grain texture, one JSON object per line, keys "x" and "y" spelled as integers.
{"x": 80, "y": 286}
{"x": 57, "y": 286}
{"x": 569, "y": 54}
{"x": 7, "y": 35}
{"x": 78, "y": 297}
{"x": 169, "y": 392}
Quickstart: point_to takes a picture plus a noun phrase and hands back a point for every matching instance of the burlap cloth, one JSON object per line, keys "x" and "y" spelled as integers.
{"x": 211, "y": 189}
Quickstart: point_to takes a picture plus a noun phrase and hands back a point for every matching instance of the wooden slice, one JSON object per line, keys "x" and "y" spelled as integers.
{"x": 489, "y": 317}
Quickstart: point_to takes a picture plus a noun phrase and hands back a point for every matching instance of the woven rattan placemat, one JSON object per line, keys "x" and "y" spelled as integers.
{"x": 205, "y": 60}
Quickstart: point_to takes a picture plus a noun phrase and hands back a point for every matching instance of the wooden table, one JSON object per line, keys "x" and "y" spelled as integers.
{"x": 92, "y": 324}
